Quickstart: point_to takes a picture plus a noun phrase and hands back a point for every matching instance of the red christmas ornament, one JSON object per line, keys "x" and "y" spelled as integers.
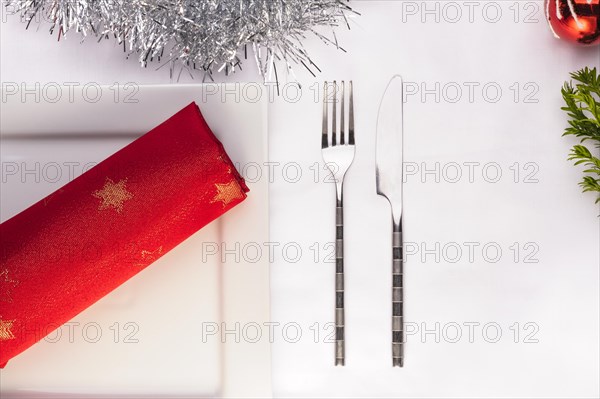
{"x": 577, "y": 21}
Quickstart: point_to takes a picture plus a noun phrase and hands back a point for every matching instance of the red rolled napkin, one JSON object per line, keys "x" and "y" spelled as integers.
{"x": 73, "y": 247}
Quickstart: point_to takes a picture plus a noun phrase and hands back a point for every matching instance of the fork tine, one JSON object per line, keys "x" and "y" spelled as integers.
{"x": 342, "y": 112}
{"x": 333, "y": 115}
{"x": 324, "y": 142}
{"x": 351, "y": 117}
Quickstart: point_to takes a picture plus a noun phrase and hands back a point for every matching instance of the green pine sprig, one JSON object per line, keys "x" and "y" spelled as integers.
{"x": 582, "y": 100}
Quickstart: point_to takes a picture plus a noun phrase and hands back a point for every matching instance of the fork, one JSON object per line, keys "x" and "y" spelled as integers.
{"x": 338, "y": 156}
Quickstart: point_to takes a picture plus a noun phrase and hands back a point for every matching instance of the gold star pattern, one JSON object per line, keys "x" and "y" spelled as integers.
{"x": 150, "y": 256}
{"x": 6, "y": 286}
{"x": 227, "y": 192}
{"x": 113, "y": 195}
{"x": 5, "y": 330}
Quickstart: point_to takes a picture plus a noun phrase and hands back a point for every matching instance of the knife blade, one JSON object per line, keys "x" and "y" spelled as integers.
{"x": 389, "y": 157}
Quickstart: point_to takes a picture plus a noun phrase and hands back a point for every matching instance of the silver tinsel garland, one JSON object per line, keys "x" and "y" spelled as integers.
{"x": 207, "y": 35}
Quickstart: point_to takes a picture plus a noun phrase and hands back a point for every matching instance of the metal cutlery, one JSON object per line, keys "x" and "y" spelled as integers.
{"x": 338, "y": 153}
{"x": 389, "y": 149}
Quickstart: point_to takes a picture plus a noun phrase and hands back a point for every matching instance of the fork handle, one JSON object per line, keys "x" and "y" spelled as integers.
{"x": 397, "y": 297}
{"x": 340, "y": 350}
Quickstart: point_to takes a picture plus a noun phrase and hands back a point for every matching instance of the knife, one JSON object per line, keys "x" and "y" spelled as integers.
{"x": 389, "y": 184}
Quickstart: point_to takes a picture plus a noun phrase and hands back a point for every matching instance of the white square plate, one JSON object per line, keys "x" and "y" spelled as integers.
{"x": 132, "y": 342}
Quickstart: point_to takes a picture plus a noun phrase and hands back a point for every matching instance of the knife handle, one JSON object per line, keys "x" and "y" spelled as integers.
{"x": 340, "y": 355}
{"x": 397, "y": 297}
